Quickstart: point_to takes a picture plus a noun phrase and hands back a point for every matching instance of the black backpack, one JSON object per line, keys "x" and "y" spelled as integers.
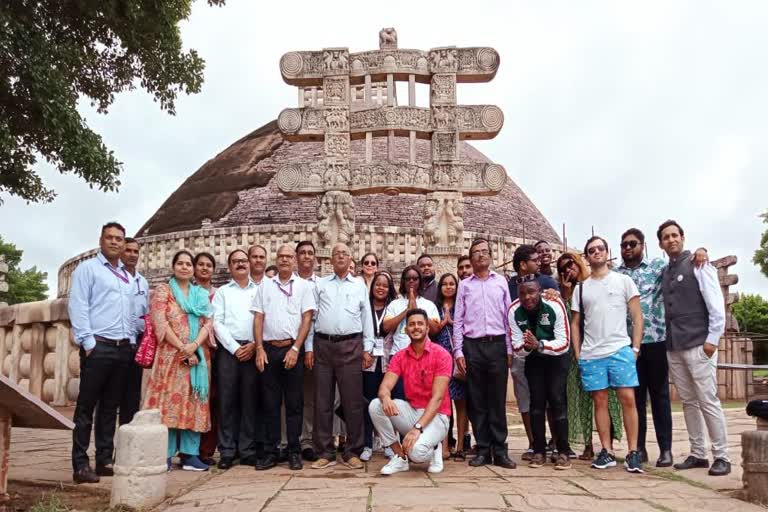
{"x": 758, "y": 408}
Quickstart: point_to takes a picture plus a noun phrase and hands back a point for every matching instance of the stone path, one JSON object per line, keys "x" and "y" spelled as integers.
{"x": 43, "y": 456}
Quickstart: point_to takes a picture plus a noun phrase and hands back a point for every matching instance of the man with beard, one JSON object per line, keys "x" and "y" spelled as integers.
{"x": 463, "y": 267}
{"x": 428, "y": 281}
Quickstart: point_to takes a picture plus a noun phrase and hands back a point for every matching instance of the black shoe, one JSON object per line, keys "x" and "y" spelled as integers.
{"x": 208, "y": 461}
{"x": 692, "y": 462}
{"x": 643, "y": 455}
{"x": 665, "y": 459}
{"x": 282, "y": 456}
{"x": 294, "y": 462}
{"x": 105, "y": 470}
{"x": 479, "y": 460}
{"x": 720, "y": 467}
{"x": 267, "y": 462}
{"x": 308, "y": 454}
{"x": 504, "y": 461}
{"x": 251, "y": 460}
{"x": 226, "y": 462}
{"x": 85, "y": 476}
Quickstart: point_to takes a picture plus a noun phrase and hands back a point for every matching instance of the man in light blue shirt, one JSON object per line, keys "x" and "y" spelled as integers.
{"x": 103, "y": 318}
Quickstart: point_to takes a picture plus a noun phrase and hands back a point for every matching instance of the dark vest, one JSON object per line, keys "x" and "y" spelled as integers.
{"x": 684, "y": 308}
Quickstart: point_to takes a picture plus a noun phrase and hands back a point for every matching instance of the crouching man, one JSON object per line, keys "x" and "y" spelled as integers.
{"x": 423, "y": 417}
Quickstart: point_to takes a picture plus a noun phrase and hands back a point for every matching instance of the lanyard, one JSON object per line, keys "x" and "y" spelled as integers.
{"x": 123, "y": 278}
{"x": 288, "y": 293}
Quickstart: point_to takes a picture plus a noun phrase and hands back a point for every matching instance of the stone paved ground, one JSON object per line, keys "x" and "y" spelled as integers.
{"x": 43, "y": 457}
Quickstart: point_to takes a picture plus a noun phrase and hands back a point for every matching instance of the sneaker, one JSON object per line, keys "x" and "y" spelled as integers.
{"x": 388, "y": 452}
{"x": 193, "y": 463}
{"x": 323, "y": 463}
{"x": 377, "y": 446}
{"x": 634, "y": 462}
{"x": 367, "y": 454}
{"x": 527, "y": 454}
{"x": 436, "y": 464}
{"x": 563, "y": 462}
{"x": 170, "y": 464}
{"x": 537, "y": 460}
{"x": 395, "y": 465}
{"x": 604, "y": 460}
{"x": 354, "y": 463}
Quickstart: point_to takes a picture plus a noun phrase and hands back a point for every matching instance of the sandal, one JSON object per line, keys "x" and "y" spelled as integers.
{"x": 588, "y": 454}
{"x": 459, "y": 456}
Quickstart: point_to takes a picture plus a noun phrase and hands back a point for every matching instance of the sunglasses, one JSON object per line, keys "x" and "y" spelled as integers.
{"x": 595, "y": 249}
{"x": 566, "y": 266}
{"x": 411, "y": 278}
{"x": 370, "y": 263}
{"x": 631, "y": 244}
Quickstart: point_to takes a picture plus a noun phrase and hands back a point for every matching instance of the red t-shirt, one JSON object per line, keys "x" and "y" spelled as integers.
{"x": 418, "y": 374}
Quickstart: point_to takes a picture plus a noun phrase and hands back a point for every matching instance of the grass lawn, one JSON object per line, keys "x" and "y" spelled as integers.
{"x": 759, "y": 373}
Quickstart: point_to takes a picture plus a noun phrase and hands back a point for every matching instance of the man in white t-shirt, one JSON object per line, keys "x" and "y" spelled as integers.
{"x": 410, "y": 298}
{"x": 606, "y": 355}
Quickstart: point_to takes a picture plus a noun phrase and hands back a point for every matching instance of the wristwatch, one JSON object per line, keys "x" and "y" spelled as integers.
{"x": 418, "y": 427}
{"x": 636, "y": 350}
{"x": 293, "y": 347}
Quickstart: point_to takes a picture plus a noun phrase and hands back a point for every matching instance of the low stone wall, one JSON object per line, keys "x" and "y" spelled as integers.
{"x": 37, "y": 350}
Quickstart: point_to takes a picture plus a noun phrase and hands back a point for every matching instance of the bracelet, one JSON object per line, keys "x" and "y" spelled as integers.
{"x": 293, "y": 347}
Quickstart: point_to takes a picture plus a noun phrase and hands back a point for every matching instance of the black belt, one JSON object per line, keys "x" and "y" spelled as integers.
{"x": 487, "y": 339}
{"x": 243, "y": 342}
{"x": 113, "y": 343}
{"x": 333, "y": 338}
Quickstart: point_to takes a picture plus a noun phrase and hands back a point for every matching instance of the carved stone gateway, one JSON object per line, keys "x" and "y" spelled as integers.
{"x": 346, "y": 96}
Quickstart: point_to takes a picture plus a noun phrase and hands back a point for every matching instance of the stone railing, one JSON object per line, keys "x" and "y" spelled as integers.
{"x": 395, "y": 246}
{"x": 38, "y": 352}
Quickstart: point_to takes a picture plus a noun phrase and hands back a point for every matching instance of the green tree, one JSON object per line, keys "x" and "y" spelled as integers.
{"x": 23, "y": 285}
{"x": 761, "y": 254}
{"x": 55, "y": 52}
{"x": 751, "y": 311}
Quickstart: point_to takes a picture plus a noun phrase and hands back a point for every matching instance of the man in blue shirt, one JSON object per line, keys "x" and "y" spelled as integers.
{"x": 103, "y": 318}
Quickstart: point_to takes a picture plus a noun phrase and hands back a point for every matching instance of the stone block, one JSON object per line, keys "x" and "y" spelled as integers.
{"x": 140, "y": 463}
{"x": 754, "y": 453}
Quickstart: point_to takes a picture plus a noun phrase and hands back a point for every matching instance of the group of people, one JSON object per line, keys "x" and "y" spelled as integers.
{"x": 293, "y": 366}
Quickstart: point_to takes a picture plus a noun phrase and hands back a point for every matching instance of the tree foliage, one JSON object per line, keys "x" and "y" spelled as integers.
{"x": 761, "y": 254}
{"x": 23, "y": 285}
{"x": 55, "y": 52}
{"x": 751, "y": 311}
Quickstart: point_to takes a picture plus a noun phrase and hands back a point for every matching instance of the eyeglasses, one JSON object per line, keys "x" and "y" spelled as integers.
{"x": 411, "y": 278}
{"x": 631, "y": 244}
{"x": 595, "y": 249}
{"x": 370, "y": 263}
{"x": 566, "y": 266}
{"x": 240, "y": 261}
{"x": 484, "y": 252}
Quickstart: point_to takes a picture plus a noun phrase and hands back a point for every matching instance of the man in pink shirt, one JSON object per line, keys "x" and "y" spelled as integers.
{"x": 423, "y": 417}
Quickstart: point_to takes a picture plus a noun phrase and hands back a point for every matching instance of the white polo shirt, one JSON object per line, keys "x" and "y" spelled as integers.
{"x": 283, "y": 305}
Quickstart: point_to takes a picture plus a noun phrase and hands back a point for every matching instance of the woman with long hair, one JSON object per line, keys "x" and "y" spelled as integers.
{"x": 369, "y": 265}
{"x": 410, "y": 298}
{"x": 571, "y": 270}
{"x": 446, "y": 300}
{"x": 179, "y": 382}
{"x": 205, "y": 266}
{"x": 381, "y": 294}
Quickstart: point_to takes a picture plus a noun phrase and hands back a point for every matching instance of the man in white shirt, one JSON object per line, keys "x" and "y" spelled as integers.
{"x": 606, "y": 355}
{"x": 237, "y": 381}
{"x": 305, "y": 268}
{"x": 695, "y": 320}
{"x": 342, "y": 347}
{"x": 283, "y": 310}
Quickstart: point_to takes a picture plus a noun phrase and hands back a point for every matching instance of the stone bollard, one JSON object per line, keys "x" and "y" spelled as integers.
{"x": 140, "y": 462}
{"x": 754, "y": 454}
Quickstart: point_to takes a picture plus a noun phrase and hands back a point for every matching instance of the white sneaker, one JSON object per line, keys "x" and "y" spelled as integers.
{"x": 366, "y": 455}
{"x": 377, "y": 447}
{"x": 395, "y": 465}
{"x": 388, "y": 452}
{"x": 436, "y": 464}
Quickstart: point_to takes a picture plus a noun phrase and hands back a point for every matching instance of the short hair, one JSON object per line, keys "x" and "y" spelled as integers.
{"x": 271, "y": 267}
{"x": 527, "y": 279}
{"x": 181, "y": 253}
{"x": 414, "y": 312}
{"x": 257, "y": 246}
{"x": 369, "y": 254}
{"x": 409, "y": 268}
{"x": 424, "y": 255}
{"x": 478, "y": 241}
{"x": 463, "y": 257}
{"x": 112, "y": 224}
{"x": 665, "y": 225}
{"x": 592, "y": 239}
{"x": 229, "y": 258}
{"x": 633, "y": 232}
{"x": 522, "y": 254}
{"x": 209, "y": 256}
{"x": 129, "y": 240}
{"x": 537, "y": 244}
{"x": 306, "y": 242}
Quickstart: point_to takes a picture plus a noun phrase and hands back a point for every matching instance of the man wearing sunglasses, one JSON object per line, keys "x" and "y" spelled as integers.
{"x": 606, "y": 354}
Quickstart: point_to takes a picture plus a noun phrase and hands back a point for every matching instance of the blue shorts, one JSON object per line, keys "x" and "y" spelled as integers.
{"x": 616, "y": 371}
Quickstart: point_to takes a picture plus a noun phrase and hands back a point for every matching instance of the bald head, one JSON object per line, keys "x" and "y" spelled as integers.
{"x": 341, "y": 257}
{"x": 286, "y": 259}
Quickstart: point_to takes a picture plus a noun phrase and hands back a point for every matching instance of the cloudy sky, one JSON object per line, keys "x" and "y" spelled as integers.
{"x": 617, "y": 114}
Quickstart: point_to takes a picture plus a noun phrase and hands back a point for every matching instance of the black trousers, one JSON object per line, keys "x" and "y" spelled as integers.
{"x": 130, "y": 402}
{"x": 371, "y": 382}
{"x": 239, "y": 393}
{"x": 102, "y": 378}
{"x": 547, "y": 379}
{"x": 283, "y": 386}
{"x": 487, "y": 393}
{"x": 653, "y": 376}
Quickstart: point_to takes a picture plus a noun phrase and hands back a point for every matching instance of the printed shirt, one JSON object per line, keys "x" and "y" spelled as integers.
{"x": 418, "y": 374}
{"x": 647, "y": 277}
{"x": 551, "y": 327}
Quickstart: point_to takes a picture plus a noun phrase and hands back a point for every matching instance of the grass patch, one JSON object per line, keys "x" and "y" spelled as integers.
{"x": 759, "y": 374}
{"x": 49, "y": 503}
{"x": 675, "y": 477}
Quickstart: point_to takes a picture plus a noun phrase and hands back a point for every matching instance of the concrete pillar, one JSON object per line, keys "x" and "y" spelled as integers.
{"x": 754, "y": 454}
{"x": 5, "y": 452}
{"x": 140, "y": 462}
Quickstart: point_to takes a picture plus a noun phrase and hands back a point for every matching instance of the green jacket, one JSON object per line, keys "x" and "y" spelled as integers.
{"x": 552, "y": 327}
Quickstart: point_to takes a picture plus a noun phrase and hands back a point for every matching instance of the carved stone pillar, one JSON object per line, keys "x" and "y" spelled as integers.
{"x": 336, "y": 218}
{"x": 444, "y": 229}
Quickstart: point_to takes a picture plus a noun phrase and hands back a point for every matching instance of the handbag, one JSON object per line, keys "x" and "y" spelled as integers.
{"x": 145, "y": 355}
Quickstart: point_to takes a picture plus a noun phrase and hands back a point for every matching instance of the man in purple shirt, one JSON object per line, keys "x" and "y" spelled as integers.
{"x": 483, "y": 350}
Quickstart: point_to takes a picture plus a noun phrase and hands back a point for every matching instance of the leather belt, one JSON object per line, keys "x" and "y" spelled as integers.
{"x": 487, "y": 339}
{"x": 280, "y": 343}
{"x": 113, "y": 343}
{"x": 335, "y": 338}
